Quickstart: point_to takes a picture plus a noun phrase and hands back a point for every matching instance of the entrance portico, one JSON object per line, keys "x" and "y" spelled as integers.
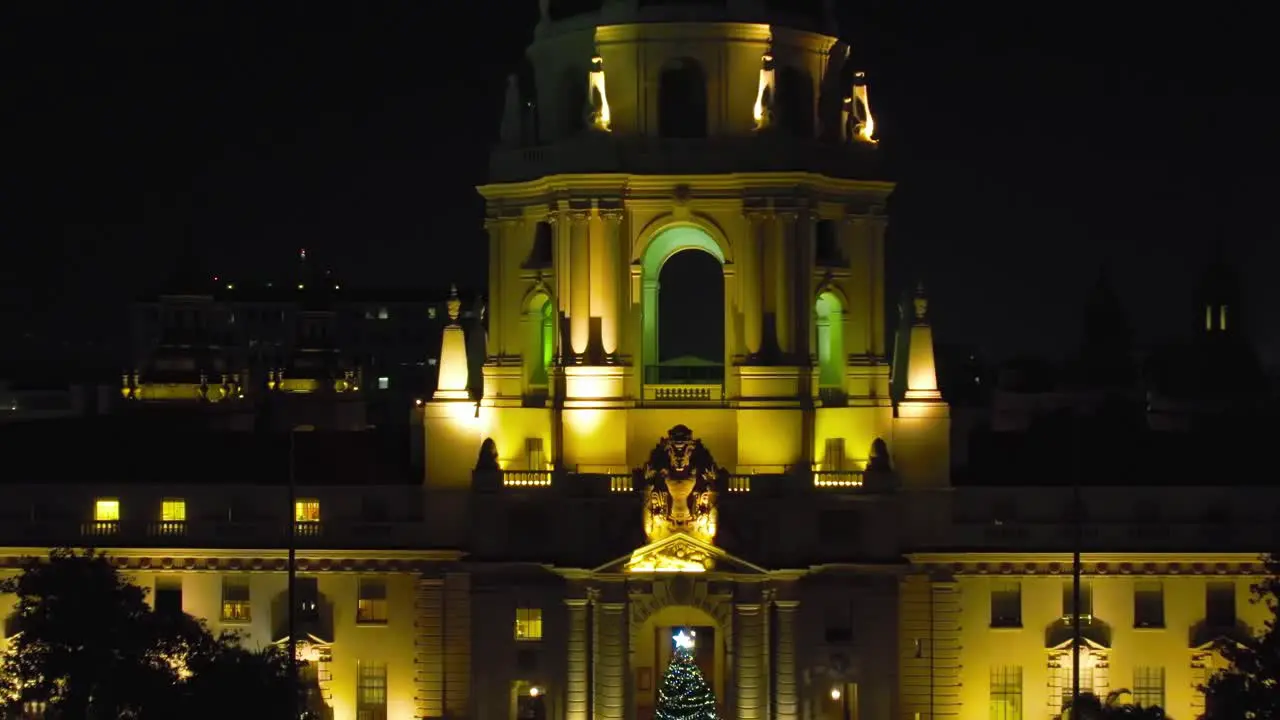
{"x": 621, "y": 620}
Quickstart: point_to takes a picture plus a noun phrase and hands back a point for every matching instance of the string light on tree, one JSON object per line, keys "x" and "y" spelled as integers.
{"x": 684, "y": 694}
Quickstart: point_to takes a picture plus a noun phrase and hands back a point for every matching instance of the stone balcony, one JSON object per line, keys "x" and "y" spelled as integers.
{"x": 579, "y": 484}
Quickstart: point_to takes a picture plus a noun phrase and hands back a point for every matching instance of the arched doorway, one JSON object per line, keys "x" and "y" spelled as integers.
{"x": 683, "y": 329}
{"x": 652, "y": 642}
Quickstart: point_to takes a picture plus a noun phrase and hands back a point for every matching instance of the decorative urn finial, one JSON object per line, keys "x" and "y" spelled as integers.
{"x": 454, "y": 304}
{"x": 921, "y": 302}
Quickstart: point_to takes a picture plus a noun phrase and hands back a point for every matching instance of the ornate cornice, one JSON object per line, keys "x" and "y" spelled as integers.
{"x": 1093, "y": 564}
{"x": 310, "y": 561}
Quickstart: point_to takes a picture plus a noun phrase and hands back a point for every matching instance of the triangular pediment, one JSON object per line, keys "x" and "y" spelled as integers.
{"x": 680, "y": 553}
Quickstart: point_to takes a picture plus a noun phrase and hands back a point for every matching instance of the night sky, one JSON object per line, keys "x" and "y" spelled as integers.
{"x": 1031, "y": 148}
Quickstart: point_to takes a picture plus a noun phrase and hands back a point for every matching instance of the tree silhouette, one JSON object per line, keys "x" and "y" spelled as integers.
{"x": 85, "y": 644}
{"x": 1250, "y": 687}
{"x": 1092, "y": 707}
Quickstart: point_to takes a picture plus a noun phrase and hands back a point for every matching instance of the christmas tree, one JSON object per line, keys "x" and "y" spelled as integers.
{"x": 684, "y": 693}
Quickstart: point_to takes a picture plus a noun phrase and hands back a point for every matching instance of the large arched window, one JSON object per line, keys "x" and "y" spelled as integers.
{"x": 794, "y": 102}
{"x": 683, "y": 337}
{"x": 829, "y": 327}
{"x": 682, "y": 100}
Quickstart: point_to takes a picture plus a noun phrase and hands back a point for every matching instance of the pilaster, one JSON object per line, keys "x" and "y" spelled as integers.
{"x": 497, "y": 229}
{"x": 783, "y": 236}
{"x": 580, "y": 283}
{"x": 612, "y": 280}
{"x": 577, "y": 701}
{"x": 751, "y": 701}
{"x": 788, "y": 698}
{"x": 456, "y": 644}
{"x": 428, "y": 641}
{"x": 751, "y": 261}
{"x": 804, "y": 284}
{"x": 610, "y": 676}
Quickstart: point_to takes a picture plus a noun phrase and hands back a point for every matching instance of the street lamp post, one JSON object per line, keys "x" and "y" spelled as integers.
{"x": 293, "y": 572}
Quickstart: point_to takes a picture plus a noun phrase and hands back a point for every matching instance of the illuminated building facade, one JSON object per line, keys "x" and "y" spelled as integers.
{"x": 790, "y": 501}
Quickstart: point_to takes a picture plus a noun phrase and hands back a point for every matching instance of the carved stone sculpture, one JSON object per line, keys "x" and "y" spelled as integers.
{"x": 680, "y": 482}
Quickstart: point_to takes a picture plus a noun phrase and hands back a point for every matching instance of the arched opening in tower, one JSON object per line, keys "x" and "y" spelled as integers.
{"x": 795, "y": 102}
{"x": 682, "y": 100}
{"x": 573, "y": 92}
{"x": 829, "y": 329}
{"x": 691, "y": 319}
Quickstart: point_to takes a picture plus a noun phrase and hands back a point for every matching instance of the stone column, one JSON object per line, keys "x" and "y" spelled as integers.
{"x": 752, "y": 702}
{"x": 580, "y": 281}
{"x": 784, "y": 278}
{"x": 577, "y": 701}
{"x": 612, "y": 280}
{"x": 496, "y": 228}
{"x": 785, "y": 667}
{"x": 559, "y": 265}
{"x": 751, "y": 259}
{"x": 804, "y": 284}
{"x": 610, "y": 674}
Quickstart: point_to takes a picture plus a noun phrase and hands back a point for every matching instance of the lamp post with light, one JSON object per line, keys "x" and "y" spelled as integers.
{"x": 293, "y": 574}
{"x": 838, "y": 696}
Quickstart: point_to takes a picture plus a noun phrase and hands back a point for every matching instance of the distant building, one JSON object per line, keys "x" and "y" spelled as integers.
{"x": 275, "y": 355}
{"x": 25, "y": 402}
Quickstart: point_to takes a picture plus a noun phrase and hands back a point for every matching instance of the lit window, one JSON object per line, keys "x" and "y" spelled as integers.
{"x": 235, "y": 600}
{"x": 371, "y": 606}
{"x": 306, "y": 510}
{"x": 384, "y": 382}
{"x": 1148, "y": 686}
{"x": 1006, "y": 693}
{"x": 431, "y": 313}
{"x": 528, "y": 623}
{"x": 173, "y": 510}
{"x": 106, "y": 510}
{"x": 371, "y": 689}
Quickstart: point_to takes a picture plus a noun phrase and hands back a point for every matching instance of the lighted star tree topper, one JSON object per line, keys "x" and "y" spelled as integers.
{"x": 684, "y": 694}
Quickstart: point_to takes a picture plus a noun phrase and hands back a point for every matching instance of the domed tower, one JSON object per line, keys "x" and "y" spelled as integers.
{"x": 643, "y": 135}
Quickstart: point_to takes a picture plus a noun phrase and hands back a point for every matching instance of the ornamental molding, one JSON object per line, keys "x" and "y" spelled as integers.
{"x": 1241, "y": 564}
{"x": 256, "y": 560}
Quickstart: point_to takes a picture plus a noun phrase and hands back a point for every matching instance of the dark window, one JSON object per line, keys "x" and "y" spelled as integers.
{"x": 827, "y": 243}
{"x": 1068, "y": 598}
{"x": 682, "y": 100}
{"x": 1148, "y": 604}
{"x": 169, "y": 596}
{"x": 1006, "y": 603}
{"x": 1220, "y": 604}
{"x": 308, "y": 597}
{"x": 543, "y": 244}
